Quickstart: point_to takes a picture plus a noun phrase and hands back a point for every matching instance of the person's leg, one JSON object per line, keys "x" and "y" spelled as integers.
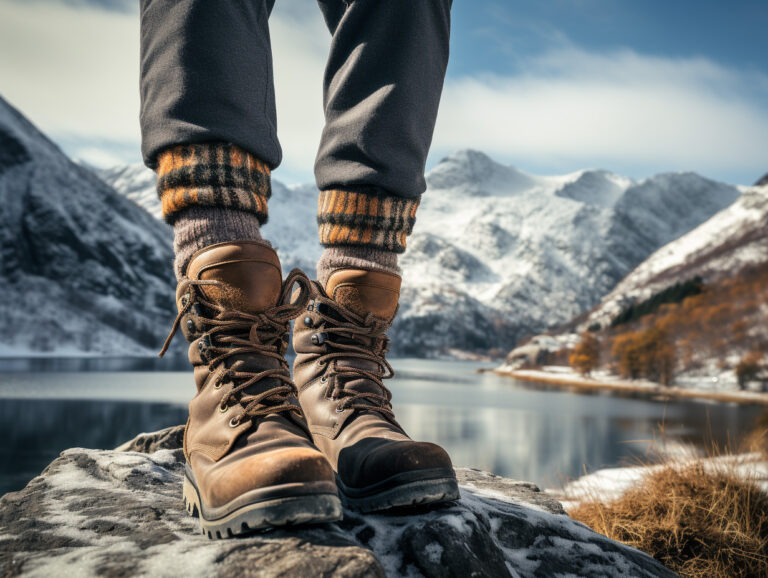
{"x": 208, "y": 117}
{"x": 382, "y": 89}
{"x": 208, "y": 127}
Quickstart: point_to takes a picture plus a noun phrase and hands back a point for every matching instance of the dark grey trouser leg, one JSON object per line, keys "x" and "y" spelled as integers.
{"x": 382, "y": 88}
{"x": 206, "y": 75}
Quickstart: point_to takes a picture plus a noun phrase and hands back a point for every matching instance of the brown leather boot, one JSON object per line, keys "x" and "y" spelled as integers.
{"x": 340, "y": 345}
{"x": 251, "y": 463}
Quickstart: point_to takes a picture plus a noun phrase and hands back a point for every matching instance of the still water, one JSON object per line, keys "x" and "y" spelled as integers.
{"x": 485, "y": 421}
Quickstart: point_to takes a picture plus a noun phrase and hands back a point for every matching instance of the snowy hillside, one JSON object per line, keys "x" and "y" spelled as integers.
{"x": 489, "y": 263}
{"x": 82, "y": 270}
{"x": 732, "y": 239}
{"x": 135, "y": 182}
{"x": 498, "y": 253}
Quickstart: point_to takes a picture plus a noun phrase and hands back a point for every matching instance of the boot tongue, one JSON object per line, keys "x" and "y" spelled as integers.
{"x": 364, "y": 292}
{"x": 249, "y": 273}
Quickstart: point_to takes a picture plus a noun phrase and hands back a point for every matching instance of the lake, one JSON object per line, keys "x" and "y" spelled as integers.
{"x": 484, "y": 421}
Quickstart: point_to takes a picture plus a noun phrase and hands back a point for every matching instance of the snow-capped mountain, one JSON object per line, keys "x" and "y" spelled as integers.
{"x": 498, "y": 253}
{"x": 82, "y": 269}
{"x": 136, "y": 182}
{"x": 722, "y": 246}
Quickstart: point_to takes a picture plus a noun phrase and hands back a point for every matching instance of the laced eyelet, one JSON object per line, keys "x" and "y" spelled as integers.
{"x": 319, "y": 338}
{"x": 321, "y": 363}
{"x": 217, "y": 384}
{"x": 339, "y": 409}
{"x": 223, "y": 408}
{"x": 234, "y": 422}
{"x": 324, "y": 379}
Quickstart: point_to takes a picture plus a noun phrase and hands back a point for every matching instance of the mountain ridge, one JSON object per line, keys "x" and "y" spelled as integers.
{"x": 730, "y": 240}
{"x": 498, "y": 253}
{"x": 82, "y": 269}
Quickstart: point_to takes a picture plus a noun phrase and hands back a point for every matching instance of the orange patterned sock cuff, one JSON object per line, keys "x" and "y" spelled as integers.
{"x": 365, "y": 218}
{"x": 214, "y": 175}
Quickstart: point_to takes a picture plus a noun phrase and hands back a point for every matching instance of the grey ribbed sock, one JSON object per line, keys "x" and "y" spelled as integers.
{"x": 355, "y": 257}
{"x": 198, "y": 227}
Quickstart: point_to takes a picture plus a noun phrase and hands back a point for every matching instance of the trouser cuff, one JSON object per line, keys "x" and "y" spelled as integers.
{"x": 214, "y": 175}
{"x": 365, "y": 218}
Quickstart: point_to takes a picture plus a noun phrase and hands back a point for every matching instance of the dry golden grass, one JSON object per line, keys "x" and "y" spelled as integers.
{"x": 698, "y": 520}
{"x": 757, "y": 441}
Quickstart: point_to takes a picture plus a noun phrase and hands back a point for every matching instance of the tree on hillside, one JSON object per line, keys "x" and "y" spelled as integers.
{"x": 648, "y": 353}
{"x": 586, "y": 355}
{"x": 749, "y": 368}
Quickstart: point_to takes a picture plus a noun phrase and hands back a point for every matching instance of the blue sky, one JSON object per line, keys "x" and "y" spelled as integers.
{"x": 550, "y": 86}
{"x": 491, "y": 34}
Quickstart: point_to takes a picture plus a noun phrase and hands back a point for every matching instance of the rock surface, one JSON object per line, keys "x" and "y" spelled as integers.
{"x": 119, "y": 513}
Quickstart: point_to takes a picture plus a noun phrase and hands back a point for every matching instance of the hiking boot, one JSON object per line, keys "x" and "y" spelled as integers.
{"x": 251, "y": 463}
{"x": 340, "y": 344}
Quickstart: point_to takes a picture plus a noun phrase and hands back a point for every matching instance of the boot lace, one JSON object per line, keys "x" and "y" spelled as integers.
{"x": 231, "y": 333}
{"x": 355, "y": 337}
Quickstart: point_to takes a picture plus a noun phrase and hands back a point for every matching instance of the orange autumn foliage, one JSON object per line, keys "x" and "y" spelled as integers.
{"x": 729, "y": 316}
{"x": 585, "y": 357}
{"x": 648, "y": 353}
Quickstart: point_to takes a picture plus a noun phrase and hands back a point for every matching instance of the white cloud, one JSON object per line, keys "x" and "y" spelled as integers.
{"x": 621, "y": 107}
{"x": 98, "y": 157}
{"x": 73, "y": 69}
{"x": 300, "y": 44}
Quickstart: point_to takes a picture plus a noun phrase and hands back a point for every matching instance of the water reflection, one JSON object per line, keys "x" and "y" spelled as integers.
{"x": 550, "y": 435}
{"x": 176, "y": 362}
{"x": 483, "y": 420}
{"x": 34, "y": 431}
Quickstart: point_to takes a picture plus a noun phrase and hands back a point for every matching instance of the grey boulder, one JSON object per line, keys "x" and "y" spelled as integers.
{"x": 120, "y": 513}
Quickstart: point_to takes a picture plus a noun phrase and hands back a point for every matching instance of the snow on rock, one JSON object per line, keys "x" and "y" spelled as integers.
{"x": 610, "y": 483}
{"x": 82, "y": 269}
{"x": 95, "y": 512}
{"x": 498, "y": 253}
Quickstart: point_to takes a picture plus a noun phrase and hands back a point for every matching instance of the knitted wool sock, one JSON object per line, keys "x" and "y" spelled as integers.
{"x": 211, "y": 193}
{"x": 363, "y": 229}
{"x": 355, "y": 257}
{"x": 198, "y": 227}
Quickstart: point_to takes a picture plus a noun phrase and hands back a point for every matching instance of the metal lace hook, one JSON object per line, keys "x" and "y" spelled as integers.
{"x": 182, "y": 311}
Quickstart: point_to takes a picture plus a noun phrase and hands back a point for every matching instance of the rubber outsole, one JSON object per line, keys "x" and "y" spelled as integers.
{"x": 406, "y": 495}
{"x": 266, "y": 514}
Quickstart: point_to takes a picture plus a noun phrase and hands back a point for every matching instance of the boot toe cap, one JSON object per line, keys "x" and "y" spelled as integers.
{"x": 394, "y": 458}
{"x": 265, "y": 472}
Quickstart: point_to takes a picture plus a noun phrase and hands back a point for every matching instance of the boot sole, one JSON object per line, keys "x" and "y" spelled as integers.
{"x": 320, "y": 508}
{"x": 402, "y": 491}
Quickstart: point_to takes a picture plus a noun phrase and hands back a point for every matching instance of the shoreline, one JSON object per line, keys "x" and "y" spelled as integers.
{"x": 650, "y": 390}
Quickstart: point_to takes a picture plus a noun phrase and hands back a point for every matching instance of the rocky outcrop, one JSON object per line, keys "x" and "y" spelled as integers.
{"x": 120, "y": 513}
{"x": 83, "y": 270}
{"x": 534, "y": 353}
